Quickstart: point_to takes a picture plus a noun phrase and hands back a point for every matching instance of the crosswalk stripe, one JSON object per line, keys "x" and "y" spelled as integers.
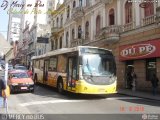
{"x": 47, "y": 102}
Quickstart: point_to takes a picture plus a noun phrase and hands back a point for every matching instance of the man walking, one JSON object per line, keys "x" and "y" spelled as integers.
{"x": 154, "y": 82}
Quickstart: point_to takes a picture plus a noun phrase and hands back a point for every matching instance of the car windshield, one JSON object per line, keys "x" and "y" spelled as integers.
{"x": 20, "y": 68}
{"x": 97, "y": 65}
{"x": 19, "y": 75}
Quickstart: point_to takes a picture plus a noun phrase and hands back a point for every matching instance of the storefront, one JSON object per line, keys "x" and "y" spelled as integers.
{"x": 144, "y": 57}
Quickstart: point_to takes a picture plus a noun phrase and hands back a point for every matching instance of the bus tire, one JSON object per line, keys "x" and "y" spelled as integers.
{"x": 35, "y": 79}
{"x": 60, "y": 86}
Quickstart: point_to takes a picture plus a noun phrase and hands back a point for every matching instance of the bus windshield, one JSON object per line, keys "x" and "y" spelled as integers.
{"x": 98, "y": 65}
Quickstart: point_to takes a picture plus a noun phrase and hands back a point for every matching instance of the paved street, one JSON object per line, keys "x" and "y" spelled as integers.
{"x": 47, "y": 101}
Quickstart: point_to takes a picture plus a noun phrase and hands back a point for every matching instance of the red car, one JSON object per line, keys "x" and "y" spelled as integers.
{"x": 20, "y": 81}
{"x": 24, "y": 68}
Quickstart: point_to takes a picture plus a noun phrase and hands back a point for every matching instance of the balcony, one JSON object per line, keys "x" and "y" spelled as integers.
{"x": 77, "y": 13}
{"x": 109, "y": 34}
{"x": 30, "y": 42}
{"x": 76, "y": 42}
{"x": 32, "y": 51}
{"x": 148, "y": 20}
{"x": 55, "y": 30}
{"x": 128, "y": 27}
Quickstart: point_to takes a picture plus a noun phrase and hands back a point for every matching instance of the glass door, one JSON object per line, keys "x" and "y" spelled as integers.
{"x": 72, "y": 72}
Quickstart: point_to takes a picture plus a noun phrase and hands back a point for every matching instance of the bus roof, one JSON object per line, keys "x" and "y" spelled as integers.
{"x": 64, "y": 50}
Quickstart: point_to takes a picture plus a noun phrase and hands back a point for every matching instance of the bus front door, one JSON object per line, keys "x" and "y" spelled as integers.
{"x": 45, "y": 72}
{"x": 72, "y": 73}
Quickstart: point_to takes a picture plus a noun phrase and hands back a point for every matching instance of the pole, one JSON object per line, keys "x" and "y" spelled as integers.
{"x": 6, "y": 72}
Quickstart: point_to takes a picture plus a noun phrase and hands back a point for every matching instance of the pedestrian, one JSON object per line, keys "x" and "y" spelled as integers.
{"x": 134, "y": 80}
{"x": 154, "y": 82}
{"x": 2, "y": 90}
{"x": 129, "y": 79}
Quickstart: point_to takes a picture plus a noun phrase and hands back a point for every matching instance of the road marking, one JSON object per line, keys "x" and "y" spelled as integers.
{"x": 69, "y": 101}
{"x": 123, "y": 98}
{"x": 47, "y": 102}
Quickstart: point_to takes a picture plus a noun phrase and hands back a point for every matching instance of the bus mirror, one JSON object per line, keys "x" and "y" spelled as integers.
{"x": 80, "y": 60}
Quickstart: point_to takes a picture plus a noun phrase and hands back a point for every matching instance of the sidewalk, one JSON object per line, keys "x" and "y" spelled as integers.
{"x": 147, "y": 95}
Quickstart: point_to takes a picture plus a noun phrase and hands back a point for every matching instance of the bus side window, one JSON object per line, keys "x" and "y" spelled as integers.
{"x": 53, "y": 64}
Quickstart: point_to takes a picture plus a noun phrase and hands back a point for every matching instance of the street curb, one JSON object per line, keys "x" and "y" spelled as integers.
{"x": 138, "y": 96}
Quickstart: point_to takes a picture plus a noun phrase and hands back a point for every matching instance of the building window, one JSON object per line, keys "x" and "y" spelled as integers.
{"x": 67, "y": 38}
{"x": 74, "y": 4}
{"x": 87, "y": 30}
{"x": 87, "y": 2}
{"x": 57, "y": 21}
{"x": 53, "y": 23}
{"x": 150, "y": 68}
{"x": 61, "y": 20}
{"x": 98, "y": 22}
{"x": 60, "y": 43}
{"x": 68, "y": 11}
{"x": 56, "y": 44}
{"x": 73, "y": 33}
{"x": 149, "y": 10}
{"x": 79, "y": 32}
{"x": 52, "y": 45}
{"x": 128, "y": 12}
{"x": 111, "y": 17}
{"x": 80, "y": 3}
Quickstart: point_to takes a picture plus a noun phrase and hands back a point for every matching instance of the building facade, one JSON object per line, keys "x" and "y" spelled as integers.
{"x": 130, "y": 29}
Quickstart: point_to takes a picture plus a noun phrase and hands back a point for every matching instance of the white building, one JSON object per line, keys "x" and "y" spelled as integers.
{"x": 14, "y": 29}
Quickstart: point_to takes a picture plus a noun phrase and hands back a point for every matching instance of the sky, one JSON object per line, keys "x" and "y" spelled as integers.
{"x": 4, "y": 19}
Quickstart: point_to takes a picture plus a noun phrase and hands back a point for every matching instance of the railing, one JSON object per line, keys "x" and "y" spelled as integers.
{"x": 128, "y": 26}
{"x": 76, "y": 42}
{"x": 148, "y": 20}
{"x": 30, "y": 41}
{"x": 30, "y": 51}
{"x": 106, "y": 1}
{"x": 56, "y": 29}
{"x": 110, "y": 33}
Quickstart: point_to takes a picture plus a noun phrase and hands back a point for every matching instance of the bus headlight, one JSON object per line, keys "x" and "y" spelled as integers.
{"x": 88, "y": 79}
{"x": 112, "y": 80}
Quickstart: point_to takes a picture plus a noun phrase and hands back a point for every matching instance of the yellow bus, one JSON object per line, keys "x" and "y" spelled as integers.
{"x": 82, "y": 69}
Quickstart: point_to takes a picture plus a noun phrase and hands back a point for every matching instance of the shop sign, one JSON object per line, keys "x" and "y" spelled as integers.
{"x": 139, "y": 51}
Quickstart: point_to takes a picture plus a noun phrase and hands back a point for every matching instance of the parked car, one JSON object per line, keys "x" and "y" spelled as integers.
{"x": 29, "y": 72}
{"x": 19, "y": 80}
{"x": 20, "y": 68}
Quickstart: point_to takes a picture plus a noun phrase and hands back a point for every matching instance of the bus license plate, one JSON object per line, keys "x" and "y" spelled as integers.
{"x": 101, "y": 90}
{"x": 23, "y": 88}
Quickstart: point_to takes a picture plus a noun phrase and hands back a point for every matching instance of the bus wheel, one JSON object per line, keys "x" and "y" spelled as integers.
{"x": 35, "y": 78}
{"x": 60, "y": 86}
